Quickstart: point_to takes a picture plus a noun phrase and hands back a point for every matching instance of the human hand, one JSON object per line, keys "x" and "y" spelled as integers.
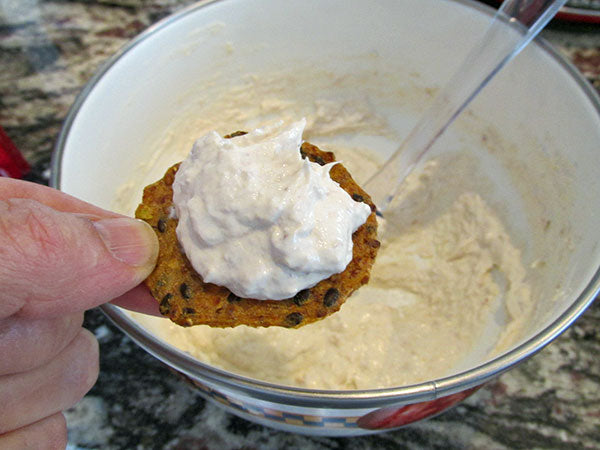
{"x": 58, "y": 257}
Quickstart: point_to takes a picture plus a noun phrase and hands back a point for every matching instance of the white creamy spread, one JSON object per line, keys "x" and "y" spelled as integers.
{"x": 258, "y": 219}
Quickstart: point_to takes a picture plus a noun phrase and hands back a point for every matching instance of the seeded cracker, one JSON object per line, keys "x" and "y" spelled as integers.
{"x": 187, "y": 300}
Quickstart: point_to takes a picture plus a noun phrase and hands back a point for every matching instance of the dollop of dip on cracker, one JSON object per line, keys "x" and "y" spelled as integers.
{"x": 258, "y": 219}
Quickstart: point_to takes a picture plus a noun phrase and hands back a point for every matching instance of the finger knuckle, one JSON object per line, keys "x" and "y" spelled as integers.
{"x": 26, "y": 344}
{"x": 56, "y": 432}
{"x": 49, "y": 433}
{"x": 83, "y": 373}
{"x": 91, "y": 350}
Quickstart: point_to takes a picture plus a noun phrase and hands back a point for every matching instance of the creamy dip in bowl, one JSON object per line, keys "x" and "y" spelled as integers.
{"x": 489, "y": 254}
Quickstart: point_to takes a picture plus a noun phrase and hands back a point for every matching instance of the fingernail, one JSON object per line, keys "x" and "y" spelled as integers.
{"x": 131, "y": 241}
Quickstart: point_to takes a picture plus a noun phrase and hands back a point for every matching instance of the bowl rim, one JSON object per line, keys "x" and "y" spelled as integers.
{"x": 304, "y": 397}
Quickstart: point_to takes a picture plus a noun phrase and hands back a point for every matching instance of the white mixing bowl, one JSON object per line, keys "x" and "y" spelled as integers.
{"x": 535, "y": 129}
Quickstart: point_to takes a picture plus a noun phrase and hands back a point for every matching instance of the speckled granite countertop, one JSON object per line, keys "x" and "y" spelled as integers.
{"x": 48, "y": 50}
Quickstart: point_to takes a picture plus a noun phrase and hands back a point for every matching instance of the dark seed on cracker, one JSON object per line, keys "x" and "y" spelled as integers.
{"x": 301, "y": 297}
{"x": 232, "y": 298}
{"x": 185, "y": 290}
{"x": 374, "y": 243}
{"x": 358, "y": 198}
{"x": 189, "y": 311}
{"x": 162, "y": 225}
{"x": 165, "y": 305}
{"x": 293, "y": 319}
{"x": 235, "y": 134}
{"x": 331, "y": 297}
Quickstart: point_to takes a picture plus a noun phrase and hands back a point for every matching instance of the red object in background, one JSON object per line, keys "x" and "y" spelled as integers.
{"x": 12, "y": 163}
{"x": 396, "y": 417}
{"x": 570, "y": 12}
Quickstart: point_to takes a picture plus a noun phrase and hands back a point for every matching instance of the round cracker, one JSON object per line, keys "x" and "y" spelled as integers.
{"x": 187, "y": 300}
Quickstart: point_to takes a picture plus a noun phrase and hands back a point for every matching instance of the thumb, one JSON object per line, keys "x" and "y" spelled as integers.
{"x": 54, "y": 262}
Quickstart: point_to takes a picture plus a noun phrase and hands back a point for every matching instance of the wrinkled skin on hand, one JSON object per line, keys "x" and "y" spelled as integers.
{"x": 58, "y": 257}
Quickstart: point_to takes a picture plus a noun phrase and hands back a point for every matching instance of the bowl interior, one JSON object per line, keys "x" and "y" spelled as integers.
{"x": 533, "y": 133}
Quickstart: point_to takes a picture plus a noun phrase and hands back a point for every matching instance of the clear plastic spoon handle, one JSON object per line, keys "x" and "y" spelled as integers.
{"x": 515, "y": 24}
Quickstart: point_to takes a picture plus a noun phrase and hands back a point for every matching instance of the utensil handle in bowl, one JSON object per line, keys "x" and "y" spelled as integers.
{"x": 513, "y": 26}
